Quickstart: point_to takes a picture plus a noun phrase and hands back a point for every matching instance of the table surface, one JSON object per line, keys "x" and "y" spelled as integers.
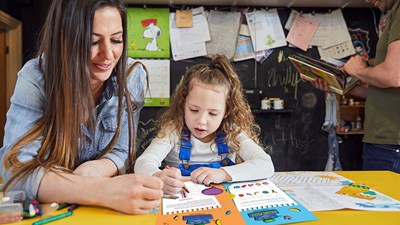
{"x": 385, "y": 182}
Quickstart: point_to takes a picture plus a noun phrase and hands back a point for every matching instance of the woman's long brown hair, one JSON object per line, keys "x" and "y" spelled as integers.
{"x": 64, "y": 54}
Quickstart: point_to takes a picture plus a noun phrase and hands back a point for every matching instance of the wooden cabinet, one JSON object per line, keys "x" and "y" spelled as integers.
{"x": 350, "y": 115}
{"x": 10, "y": 62}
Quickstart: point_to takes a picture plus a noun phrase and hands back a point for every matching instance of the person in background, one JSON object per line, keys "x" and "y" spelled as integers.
{"x": 206, "y": 128}
{"x": 71, "y": 126}
{"x": 381, "y": 150}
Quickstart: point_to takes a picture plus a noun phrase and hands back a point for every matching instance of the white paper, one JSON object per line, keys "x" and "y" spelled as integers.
{"x": 224, "y": 29}
{"x": 265, "y": 29}
{"x": 317, "y": 191}
{"x": 185, "y": 51}
{"x": 292, "y": 17}
{"x": 196, "y": 34}
{"x": 159, "y": 77}
{"x": 332, "y": 29}
{"x": 308, "y": 178}
{"x": 312, "y": 198}
{"x": 337, "y": 51}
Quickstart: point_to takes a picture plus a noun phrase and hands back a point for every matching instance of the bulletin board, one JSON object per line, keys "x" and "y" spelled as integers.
{"x": 293, "y": 137}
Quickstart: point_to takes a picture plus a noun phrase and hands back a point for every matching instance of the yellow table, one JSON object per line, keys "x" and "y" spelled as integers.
{"x": 383, "y": 181}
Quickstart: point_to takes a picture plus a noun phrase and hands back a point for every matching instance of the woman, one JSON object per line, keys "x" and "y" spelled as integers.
{"x": 73, "y": 116}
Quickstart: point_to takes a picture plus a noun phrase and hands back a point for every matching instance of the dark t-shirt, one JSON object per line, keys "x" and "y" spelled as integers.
{"x": 382, "y": 122}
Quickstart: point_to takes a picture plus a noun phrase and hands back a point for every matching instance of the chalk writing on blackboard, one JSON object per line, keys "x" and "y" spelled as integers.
{"x": 287, "y": 77}
{"x": 146, "y": 133}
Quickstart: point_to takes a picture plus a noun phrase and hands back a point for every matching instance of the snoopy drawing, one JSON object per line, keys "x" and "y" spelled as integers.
{"x": 152, "y": 32}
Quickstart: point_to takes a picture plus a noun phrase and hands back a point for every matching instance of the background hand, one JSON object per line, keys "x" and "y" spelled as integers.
{"x": 354, "y": 65}
{"x": 205, "y": 175}
{"x": 322, "y": 85}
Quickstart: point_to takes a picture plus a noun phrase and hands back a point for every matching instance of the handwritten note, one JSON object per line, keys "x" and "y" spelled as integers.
{"x": 302, "y": 31}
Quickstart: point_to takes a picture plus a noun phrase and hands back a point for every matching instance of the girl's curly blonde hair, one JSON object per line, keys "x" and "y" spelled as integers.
{"x": 219, "y": 72}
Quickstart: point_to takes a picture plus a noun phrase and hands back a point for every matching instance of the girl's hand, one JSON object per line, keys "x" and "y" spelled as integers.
{"x": 171, "y": 178}
{"x": 205, "y": 175}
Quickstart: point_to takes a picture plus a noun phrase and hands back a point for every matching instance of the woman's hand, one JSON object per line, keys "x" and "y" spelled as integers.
{"x": 171, "y": 178}
{"x": 131, "y": 193}
{"x": 206, "y": 175}
{"x": 10, "y": 217}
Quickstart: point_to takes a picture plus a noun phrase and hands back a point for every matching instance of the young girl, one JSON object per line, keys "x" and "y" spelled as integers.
{"x": 207, "y": 127}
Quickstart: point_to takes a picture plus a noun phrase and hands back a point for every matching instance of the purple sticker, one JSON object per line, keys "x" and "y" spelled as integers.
{"x": 212, "y": 191}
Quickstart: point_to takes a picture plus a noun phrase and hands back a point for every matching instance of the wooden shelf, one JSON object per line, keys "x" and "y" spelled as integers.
{"x": 351, "y": 132}
{"x": 349, "y": 113}
{"x": 258, "y": 111}
{"x": 352, "y": 106}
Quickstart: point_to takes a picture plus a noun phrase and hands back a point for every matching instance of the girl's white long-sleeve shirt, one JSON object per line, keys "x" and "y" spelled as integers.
{"x": 257, "y": 163}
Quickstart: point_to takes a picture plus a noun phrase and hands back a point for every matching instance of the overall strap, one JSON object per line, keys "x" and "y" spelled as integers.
{"x": 185, "y": 150}
{"x": 186, "y": 146}
{"x": 222, "y": 146}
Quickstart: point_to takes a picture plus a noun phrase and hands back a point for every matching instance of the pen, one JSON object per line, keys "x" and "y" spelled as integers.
{"x": 170, "y": 196}
{"x": 184, "y": 188}
{"x": 52, "y": 218}
{"x": 72, "y": 207}
{"x": 38, "y": 207}
{"x": 62, "y": 205}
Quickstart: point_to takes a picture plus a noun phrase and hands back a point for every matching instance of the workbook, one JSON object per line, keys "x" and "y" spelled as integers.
{"x": 251, "y": 202}
{"x": 261, "y": 202}
{"x": 200, "y": 205}
{"x": 310, "y": 69}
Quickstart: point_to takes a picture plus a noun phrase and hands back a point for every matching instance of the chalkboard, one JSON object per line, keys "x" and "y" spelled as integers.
{"x": 294, "y": 139}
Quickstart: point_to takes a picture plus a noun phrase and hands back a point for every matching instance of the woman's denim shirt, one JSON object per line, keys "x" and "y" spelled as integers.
{"x": 27, "y": 104}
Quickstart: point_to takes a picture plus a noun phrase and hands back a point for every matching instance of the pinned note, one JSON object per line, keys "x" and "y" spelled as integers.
{"x": 184, "y": 18}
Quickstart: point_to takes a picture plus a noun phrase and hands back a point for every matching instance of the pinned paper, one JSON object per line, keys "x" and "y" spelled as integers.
{"x": 184, "y": 18}
{"x": 302, "y": 31}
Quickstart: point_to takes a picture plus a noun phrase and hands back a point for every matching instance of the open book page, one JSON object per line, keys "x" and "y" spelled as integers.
{"x": 310, "y": 69}
{"x": 258, "y": 194}
{"x": 322, "y": 191}
{"x": 261, "y": 201}
{"x": 308, "y": 178}
{"x": 312, "y": 198}
{"x": 310, "y": 72}
{"x": 195, "y": 200}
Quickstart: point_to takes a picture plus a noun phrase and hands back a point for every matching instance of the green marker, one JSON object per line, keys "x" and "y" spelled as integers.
{"x": 62, "y": 205}
{"x": 53, "y": 218}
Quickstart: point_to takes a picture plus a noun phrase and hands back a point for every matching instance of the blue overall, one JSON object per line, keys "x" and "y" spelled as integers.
{"x": 186, "y": 146}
